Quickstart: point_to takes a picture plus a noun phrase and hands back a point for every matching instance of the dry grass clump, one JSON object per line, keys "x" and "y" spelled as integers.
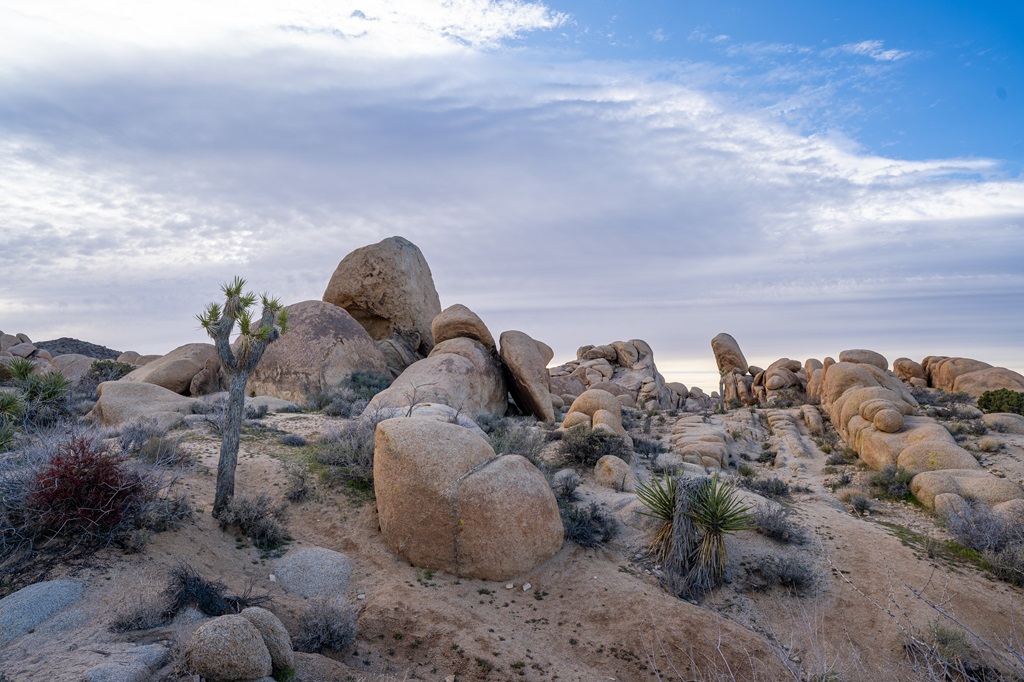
{"x": 582, "y": 446}
{"x": 258, "y": 518}
{"x": 326, "y": 625}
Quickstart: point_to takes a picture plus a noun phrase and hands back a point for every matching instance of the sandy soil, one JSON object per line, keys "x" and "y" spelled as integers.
{"x": 588, "y": 614}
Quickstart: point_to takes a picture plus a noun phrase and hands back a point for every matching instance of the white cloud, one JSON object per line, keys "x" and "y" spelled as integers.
{"x": 875, "y": 49}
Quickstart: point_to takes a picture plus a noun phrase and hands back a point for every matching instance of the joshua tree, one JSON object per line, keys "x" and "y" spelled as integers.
{"x": 254, "y": 337}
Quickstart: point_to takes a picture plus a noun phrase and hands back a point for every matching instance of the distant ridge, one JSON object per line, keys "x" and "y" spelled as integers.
{"x": 66, "y": 346}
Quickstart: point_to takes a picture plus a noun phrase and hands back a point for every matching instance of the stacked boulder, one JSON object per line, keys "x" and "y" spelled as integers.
{"x": 388, "y": 289}
{"x": 876, "y": 415}
{"x": 243, "y": 647}
{"x": 737, "y": 379}
{"x": 445, "y": 501}
{"x": 599, "y": 410}
{"x": 191, "y": 370}
{"x": 462, "y": 371}
{"x": 625, "y": 369}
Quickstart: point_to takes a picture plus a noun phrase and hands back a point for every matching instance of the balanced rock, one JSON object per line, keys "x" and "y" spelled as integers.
{"x": 388, "y": 288}
{"x": 275, "y": 637}
{"x": 446, "y": 502}
{"x": 728, "y": 354}
{"x": 529, "y": 380}
{"x": 864, "y": 357}
{"x": 192, "y": 369}
{"x": 458, "y": 321}
{"x": 324, "y": 345}
{"x": 228, "y": 649}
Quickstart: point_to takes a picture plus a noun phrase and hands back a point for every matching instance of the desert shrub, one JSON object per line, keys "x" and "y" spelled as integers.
{"x": 300, "y": 483}
{"x": 100, "y": 371}
{"x": 512, "y": 436}
{"x": 292, "y": 439}
{"x": 588, "y": 526}
{"x": 892, "y": 482}
{"x": 349, "y": 398}
{"x": 1007, "y": 565}
{"x": 582, "y": 446}
{"x": 326, "y": 624}
{"x": 8, "y": 434}
{"x": 142, "y": 613}
{"x": 772, "y": 520}
{"x": 185, "y": 588}
{"x": 1002, "y": 400}
{"x": 347, "y": 454}
{"x": 767, "y": 455}
{"x": 258, "y": 518}
{"x": 769, "y": 487}
{"x": 256, "y": 412}
{"x": 977, "y": 526}
{"x": 648, "y": 448}
{"x": 83, "y": 489}
{"x": 151, "y": 444}
{"x": 44, "y": 399}
{"x": 841, "y": 456}
{"x": 785, "y": 571}
{"x": 860, "y": 504}
{"x": 564, "y": 484}
{"x": 988, "y": 444}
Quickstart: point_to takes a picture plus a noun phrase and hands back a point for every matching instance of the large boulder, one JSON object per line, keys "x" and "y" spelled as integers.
{"x": 315, "y": 572}
{"x": 976, "y": 484}
{"x": 446, "y": 502}
{"x": 22, "y": 611}
{"x": 864, "y": 357}
{"x": 460, "y": 373}
{"x": 459, "y": 321}
{"x": 275, "y": 636}
{"x": 73, "y": 366}
{"x": 228, "y": 649}
{"x": 529, "y": 381}
{"x": 323, "y": 346}
{"x": 121, "y": 403}
{"x": 728, "y": 354}
{"x": 388, "y": 288}
{"x": 192, "y": 369}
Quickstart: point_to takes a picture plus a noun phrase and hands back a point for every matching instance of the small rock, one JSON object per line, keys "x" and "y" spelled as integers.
{"x": 527, "y": 586}
{"x": 509, "y": 586}
{"x": 360, "y": 596}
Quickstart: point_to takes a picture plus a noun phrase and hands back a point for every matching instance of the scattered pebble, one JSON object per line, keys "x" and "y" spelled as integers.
{"x": 527, "y": 586}
{"x": 273, "y": 578}
{"x": 360, "y": 596}
{"x": 509, "y": 586}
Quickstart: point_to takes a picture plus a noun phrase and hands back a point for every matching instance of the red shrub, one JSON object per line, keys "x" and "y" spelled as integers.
{"x": 84, "y": 489}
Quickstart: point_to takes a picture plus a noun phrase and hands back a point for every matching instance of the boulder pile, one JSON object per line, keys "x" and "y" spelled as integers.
{"x": 625, "y": 369}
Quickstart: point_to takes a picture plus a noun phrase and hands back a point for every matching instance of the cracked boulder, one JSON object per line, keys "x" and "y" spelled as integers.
{"x": 446, "y": 502}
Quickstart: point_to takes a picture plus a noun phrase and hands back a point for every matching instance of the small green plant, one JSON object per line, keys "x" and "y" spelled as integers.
{"x": 717, "y": 511}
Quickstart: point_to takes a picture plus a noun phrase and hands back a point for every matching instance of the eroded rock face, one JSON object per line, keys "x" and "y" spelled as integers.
{"x": 323, "y": 346}
{"x": 388, "y": 288}
{"x": 446, "y": 502}
{"x": 192, "y": 369}
{"x": 529, "y": 381}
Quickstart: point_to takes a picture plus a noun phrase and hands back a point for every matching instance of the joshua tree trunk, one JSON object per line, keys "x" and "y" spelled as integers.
{"x": 252, "y": 342}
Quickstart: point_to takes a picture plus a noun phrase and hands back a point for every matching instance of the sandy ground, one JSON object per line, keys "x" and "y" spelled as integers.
{"x": 587, "y": 615}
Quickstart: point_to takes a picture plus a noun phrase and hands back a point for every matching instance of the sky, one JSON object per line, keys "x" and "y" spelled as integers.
{"x": 808, "y": 177}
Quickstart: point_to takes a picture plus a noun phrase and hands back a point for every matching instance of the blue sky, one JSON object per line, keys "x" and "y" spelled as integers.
{"x": 807, "y": 178}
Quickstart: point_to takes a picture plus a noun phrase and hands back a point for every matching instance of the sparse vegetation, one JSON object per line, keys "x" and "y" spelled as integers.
{"x": 350, "y": 397}
{"x": 346, "y": 455}
{"x": 588, "y": 526}
{"x": 773, "y": 521}
{"x": 782, "y": 571}
{"x": 997, "y": 537}
{"x": 582, "y": 446}
{"x": 513, "y": 436}
{"x": 892, "y": 482}
{"x": 769, "y": 486}
{"x": 258, "y": 518}
{"x": 325, "y": 625}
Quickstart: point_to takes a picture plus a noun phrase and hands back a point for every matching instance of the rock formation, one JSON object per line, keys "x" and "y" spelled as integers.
{"x": 446, "y": 502}
{"x": 624, "y": 368}
{"x": 388, "y": 288}
{"x": 192, "y": 370}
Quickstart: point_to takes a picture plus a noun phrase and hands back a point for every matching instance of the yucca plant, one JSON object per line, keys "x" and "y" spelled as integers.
{"x": 717, "y": 511}
{"x": 254, "y": 337}
{"x": 20, "y": 368}
{"x": 659, "y": 496}
{"x": 7, "y": 433}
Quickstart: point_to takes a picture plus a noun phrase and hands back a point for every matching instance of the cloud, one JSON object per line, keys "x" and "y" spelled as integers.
{"x": 875, "y": 49}
{"x": 580, "y": 201}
